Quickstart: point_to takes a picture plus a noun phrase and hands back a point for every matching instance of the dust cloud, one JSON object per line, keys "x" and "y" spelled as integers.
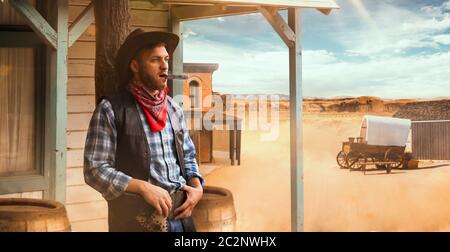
{"x": 335, "y": 199}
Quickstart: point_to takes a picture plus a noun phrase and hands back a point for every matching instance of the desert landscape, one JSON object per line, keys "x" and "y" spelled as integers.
{"x": 335, "y": 199}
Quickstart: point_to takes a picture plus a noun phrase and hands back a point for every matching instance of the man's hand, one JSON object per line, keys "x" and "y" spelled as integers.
{"x": 156, "y": 196}
{"x": 194, "y": 194}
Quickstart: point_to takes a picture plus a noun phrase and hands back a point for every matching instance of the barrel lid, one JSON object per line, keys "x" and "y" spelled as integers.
{"x": 216, "y": 194}
{"x": 19, "y": 206}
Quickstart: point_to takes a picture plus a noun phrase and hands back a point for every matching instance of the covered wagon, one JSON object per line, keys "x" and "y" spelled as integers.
{"x": 381, "y": 142}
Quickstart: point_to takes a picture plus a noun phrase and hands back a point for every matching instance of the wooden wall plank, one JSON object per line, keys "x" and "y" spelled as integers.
{"x": 80, "y": 103}
{"x": 75, "y": 11}
{"x": 144, "y": 17}
{"x": 133, "y": 4}
{"x": 89, "y": 34}
{"x": 32, "y": 195}
{"x": 81, "y": 86}
{"x": 87, "y": 211}
{"x": 78, "y": 121}
{"x": 75, "y": 176}
{"x": 10, "y": 195}
{"x": 98, "y": 225}
{"x": 148, "y": 29}
{"x": 75, "y": 158}
{"x": 29, "y": 195}
{"x": 81, "y": 67}
{"x": 76, "y": 139}
{"x": 145, "y": 5}
{"x": 82, "y": 194}
{"x": 79, "y": 2}
{"x": 149, "y": 18}
{"x": 82, "y": 50}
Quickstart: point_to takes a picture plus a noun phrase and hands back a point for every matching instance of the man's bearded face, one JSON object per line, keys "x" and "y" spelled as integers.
{"x": 153, "y": 67}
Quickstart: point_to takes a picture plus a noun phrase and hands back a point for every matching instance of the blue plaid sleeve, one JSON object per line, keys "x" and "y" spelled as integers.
{"x": 189, "y": 152}
{"x": 99, "y": 154}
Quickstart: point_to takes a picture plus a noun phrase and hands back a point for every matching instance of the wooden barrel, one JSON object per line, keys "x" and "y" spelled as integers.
{"x": 33, "y": 215}
{"x": 215, "y": 211}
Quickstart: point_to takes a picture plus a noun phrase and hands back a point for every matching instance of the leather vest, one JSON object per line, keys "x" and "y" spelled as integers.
{"x": 133, "y": 156}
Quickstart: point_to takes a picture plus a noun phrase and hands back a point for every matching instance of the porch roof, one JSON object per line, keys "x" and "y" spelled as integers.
{"x": 199, "y": 9}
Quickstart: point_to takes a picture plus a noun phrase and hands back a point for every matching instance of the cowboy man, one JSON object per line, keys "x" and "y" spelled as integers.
{"x": 138, "y": 152}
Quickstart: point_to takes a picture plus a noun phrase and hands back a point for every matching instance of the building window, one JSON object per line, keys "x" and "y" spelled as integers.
{"x": 22, "y": 97}
{"x": 194, "y": 94}
{"x": 22, "y": 105}
{"x": 19, "y": 131}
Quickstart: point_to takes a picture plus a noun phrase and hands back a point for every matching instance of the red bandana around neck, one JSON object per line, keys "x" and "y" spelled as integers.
{"x": 154, "y": 107}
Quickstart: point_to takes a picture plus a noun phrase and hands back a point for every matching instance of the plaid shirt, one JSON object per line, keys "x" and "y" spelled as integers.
{"x": 100, "y": 149}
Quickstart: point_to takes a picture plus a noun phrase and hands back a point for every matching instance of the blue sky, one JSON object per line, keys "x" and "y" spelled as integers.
{"x": 385, "y": 48}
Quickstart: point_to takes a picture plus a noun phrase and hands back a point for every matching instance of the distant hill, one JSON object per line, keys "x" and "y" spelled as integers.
{"x": 362, "y": 104}
{"x": 354, "y": 104}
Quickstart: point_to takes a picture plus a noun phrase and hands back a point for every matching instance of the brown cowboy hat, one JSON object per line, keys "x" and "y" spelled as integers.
{"x": 137, "y": 40}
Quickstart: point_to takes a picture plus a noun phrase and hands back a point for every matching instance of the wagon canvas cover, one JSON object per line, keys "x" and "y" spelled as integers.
{"x": 385, "y": 131}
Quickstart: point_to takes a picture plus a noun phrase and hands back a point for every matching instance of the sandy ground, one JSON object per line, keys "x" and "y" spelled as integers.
{"x": 335, "y": 199}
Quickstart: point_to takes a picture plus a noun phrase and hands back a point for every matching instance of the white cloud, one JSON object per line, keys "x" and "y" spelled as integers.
{"x": 387, "y": 77}
{"x": 397, "y": 29}
{"x": 188, "y": 33}
{"x": 324, "y": 74}
{"x": 372, "y": 62}
{"x": 240, "y": 70}
{"x": 446, "y": 6}
{"x": 442, "y": 39}
{"x": 318, "y": 57}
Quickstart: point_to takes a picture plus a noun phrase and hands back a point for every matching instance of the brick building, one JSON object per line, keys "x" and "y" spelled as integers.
{"x": 198, "y": 85}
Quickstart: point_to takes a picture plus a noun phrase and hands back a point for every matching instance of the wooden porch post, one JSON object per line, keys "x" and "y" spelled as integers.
{"x": 296, "y": 128}
{"x": 177, "y": 60}
{"x": 56, "y": 107}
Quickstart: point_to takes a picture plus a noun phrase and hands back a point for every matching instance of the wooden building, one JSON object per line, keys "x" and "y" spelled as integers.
{"x": 47, "y": 93}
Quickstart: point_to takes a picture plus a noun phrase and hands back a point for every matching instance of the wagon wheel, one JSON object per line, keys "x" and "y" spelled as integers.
{"x": 340, "y": 159}
{"x": 355, "y": 160}
{"x": 393, "y": 155}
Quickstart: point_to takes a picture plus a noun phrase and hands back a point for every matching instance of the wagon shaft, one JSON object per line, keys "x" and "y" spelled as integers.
{"x": 378, "y": 163}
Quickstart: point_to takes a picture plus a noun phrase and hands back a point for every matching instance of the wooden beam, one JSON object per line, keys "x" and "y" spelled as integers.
{"x": 279, "y": 25}
{"x": 56, "y": 106}
{"x": 27, "y": 38}
{"x": 325, "y": 11}
{"x": 19, "y": 184}
{"x": 296, "y": 128}
{"x": 185, "y": 13}
{"x": 280, "y": 3}
{"x": 177, "y": 60}
{"x": 81, "y": 23}
{"x": 36, "y": 21}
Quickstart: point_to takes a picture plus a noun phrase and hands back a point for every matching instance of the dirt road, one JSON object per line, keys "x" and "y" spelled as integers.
{"x": 335, "y": 199}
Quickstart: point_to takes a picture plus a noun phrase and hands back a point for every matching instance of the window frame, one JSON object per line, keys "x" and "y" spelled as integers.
{"x": 18, "y": 36}
{"x": 194, "y": 96}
